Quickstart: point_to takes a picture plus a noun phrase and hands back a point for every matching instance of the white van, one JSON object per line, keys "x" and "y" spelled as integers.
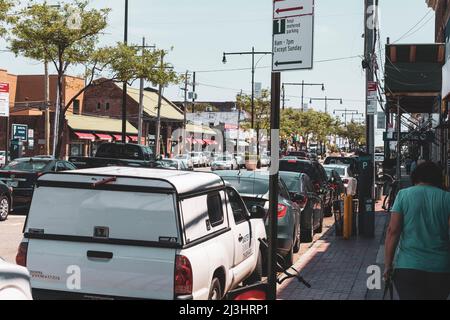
{"x": 110, "y": 233}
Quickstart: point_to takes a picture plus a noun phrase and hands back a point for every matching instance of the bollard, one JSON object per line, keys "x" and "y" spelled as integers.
{"x": 348, "y": 217}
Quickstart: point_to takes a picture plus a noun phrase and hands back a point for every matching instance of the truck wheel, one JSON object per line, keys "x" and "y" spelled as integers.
{"x": 216, "y": 292}
{"x": 4, "y": 208}
{"x": 257, "y": 275}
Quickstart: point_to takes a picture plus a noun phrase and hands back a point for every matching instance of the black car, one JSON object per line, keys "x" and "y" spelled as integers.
{"x": 21, "y": 175}
{"x": 298, "y": 154}
{"x": 318, "y": 176}
{"x": 5, "y": 201}
{"x": 311, "y": 218}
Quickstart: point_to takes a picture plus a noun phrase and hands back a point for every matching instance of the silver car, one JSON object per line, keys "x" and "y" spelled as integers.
{"x": 226, "y": 162}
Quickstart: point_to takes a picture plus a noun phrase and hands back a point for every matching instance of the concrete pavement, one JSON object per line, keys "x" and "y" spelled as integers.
{"x": 336, "y": 268}
{"x": 11, "y": 236}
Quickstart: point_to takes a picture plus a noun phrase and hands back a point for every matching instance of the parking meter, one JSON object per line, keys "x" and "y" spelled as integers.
{"x": 366, "y": 219}
{"x": 16, "y": 150}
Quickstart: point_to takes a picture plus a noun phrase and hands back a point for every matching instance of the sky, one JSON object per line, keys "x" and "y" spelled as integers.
{"x": 198, "y": 31}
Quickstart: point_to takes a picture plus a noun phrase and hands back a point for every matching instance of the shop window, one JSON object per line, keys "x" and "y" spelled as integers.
{"x": 76, "y": 150}
{"x": 107, "y": 106}
{"x": 99, "y": 106}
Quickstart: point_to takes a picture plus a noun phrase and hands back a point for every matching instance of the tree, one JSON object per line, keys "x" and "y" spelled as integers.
{"x": 262, "y": 107}
{"x": 355, "y": 133}
{"x": 68, "y": 37}
{"x": 5, "y": 17}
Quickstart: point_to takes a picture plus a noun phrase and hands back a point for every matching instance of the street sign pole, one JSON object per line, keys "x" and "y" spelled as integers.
{"x": 292, "y": 39}
{"x": 273, "y": 198}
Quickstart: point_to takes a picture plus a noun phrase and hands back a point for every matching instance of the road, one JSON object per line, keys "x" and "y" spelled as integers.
{"x": 10, "y": 237}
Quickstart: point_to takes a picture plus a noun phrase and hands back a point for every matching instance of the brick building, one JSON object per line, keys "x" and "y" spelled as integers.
{"x": 106, "y": 100}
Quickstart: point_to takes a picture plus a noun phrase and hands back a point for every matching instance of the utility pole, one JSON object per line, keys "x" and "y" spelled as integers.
{"x": 193, "y": 92}
{"x": 158, "y": 117}
{"x": 326, "y": 99}
{"x": 370, "y": 23}
{"x": 345, "y": 112}
{"x": 141, "y": 97}
{"x": 47, "y": 108}
{"x": 185, "y": 106}
{"x": 283, "y": 92}
{"x": 124, "y": 89}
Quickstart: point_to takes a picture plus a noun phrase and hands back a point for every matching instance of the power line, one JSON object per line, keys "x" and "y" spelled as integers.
{"x": 407, "y": 32}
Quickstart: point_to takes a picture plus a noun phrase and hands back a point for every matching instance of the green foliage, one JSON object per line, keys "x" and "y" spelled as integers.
{"x": 355, "y": 133}
{"x": 262, "y": 106}
{"x": 5, "y": 16}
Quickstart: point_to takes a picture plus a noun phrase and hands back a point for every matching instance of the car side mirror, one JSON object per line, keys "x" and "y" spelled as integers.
{"x": 258, "y": 212}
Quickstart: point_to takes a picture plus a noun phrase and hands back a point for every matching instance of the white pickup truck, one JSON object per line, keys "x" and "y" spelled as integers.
{"x": 111, "y": 233}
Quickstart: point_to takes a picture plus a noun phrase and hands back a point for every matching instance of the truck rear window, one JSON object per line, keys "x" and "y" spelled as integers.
{"x": 127, "y": 215}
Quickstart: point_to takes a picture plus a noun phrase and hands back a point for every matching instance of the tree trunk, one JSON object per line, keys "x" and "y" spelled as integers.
{"x": 62, "y": 117}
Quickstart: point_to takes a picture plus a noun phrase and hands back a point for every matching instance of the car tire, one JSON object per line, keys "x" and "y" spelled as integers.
{"x": 320, "y": 228}
{"x": 328, "y": 211}
{"x": 257, "y": 275}
{"x": 215, "y": 293}
{"x": 5, "y": 207}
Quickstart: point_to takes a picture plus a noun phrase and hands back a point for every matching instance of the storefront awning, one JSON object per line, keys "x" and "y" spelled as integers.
{"x": 85, "y": 136}
{"x": 210, "y": 142}
{"x": 104, "y": 137}
{"x": 133, "y": 138}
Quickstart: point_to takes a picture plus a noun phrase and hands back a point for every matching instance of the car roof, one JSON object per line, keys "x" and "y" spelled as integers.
{"x": 343, "y": 166}
{"x": 34, "y": 159}
{"x": 256, "y": 175}
{"x": 183, "y": 181}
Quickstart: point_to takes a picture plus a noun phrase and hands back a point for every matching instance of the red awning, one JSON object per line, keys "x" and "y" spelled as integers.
{"x": 191, "y": 141}
{"x": 118, "y": 138}
{"x": 85, "y": 136}
{"x": 133, "y": 138}
{"x": 104, "y": 137}
{"x": 199, "y": 141}
{"x": 210, "y": 142}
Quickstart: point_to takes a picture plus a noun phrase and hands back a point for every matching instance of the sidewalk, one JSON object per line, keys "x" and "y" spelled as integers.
{"x": 337, "y": 269}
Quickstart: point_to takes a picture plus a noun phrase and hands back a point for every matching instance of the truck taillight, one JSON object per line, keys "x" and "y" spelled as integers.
{"x": 21, "y": 257}
{"x": 282, "y": 210}
{"x": 183, "y": 276}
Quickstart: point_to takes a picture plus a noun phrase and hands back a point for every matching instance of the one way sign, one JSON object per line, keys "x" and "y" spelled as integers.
{"x": 292, "y": 8}
{"x": 293, "y": 35}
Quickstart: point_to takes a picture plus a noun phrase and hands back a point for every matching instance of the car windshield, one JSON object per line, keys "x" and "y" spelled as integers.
{"x": 292, "y": 181}
{"x": 167, "y": 164}
{"x": 339, "y": 170}
{"x": 28, "y": 166}
{"x": 249, "y": 186}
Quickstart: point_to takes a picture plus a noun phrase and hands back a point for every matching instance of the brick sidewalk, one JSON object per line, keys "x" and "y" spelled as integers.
{"x": 336, "y": 269}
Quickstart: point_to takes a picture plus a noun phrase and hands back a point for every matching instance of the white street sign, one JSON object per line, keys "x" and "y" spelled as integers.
{"x": 372, "y": 107}
{"x": 293, "y": 43}
{"x": 4, "y": 100}
{"x": 292, "y": 8}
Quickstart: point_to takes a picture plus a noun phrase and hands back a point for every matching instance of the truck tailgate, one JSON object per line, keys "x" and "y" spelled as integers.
{"x": 132, "y": 272}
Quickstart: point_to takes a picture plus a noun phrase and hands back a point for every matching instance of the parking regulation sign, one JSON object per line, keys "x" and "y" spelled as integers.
{"x": 4, "y": 100}
{"x": 293, "y": 33}
{"x": 20, "y": 132}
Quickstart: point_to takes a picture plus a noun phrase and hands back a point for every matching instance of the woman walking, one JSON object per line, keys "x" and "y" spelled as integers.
{"x": 417, "y": 255}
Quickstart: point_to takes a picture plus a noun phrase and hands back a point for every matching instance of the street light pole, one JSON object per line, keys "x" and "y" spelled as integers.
{"x": 124, "y": 89}
{"x": 346, "y": 112}
{"x": 303, "y": 84}
{"x": 326, "y": 99}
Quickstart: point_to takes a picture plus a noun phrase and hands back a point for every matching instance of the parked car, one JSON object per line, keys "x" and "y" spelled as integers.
{"x": 301, "y": 155}
{"x": 5, "y": 201}
{"x": 265, "y": 160}
{"x": 186, "y": 158}
{"x": 240, "y": 160}
{"x": 254, "y": 189}
{"x": 197, "y": 159}
{"x": 346, "y": 174}
{"x": 318, "y": 176}
{"x": 225, "y": 162}
{"x": 301, "y": 189}
{"x": 171, "y": 164}
{"x": 21, "y": 175}
{"x": 207, "y": 158}
{"x": 349, "y": 161}
{"x": 14, "y": 282}
{"x": 140, "y": 233}
{"x": 117, "y": 154}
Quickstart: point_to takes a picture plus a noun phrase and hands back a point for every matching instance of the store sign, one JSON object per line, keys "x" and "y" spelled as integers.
{"x": 20, "y": 132}
{"x": 4, "y": 99}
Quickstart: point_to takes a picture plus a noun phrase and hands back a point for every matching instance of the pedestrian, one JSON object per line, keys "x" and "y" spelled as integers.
{"x": 413, "y": 165}
{"x": 419, "y": 232}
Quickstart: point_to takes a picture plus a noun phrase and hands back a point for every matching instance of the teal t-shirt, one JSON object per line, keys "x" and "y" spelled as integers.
{"x": 424, "y": 243}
